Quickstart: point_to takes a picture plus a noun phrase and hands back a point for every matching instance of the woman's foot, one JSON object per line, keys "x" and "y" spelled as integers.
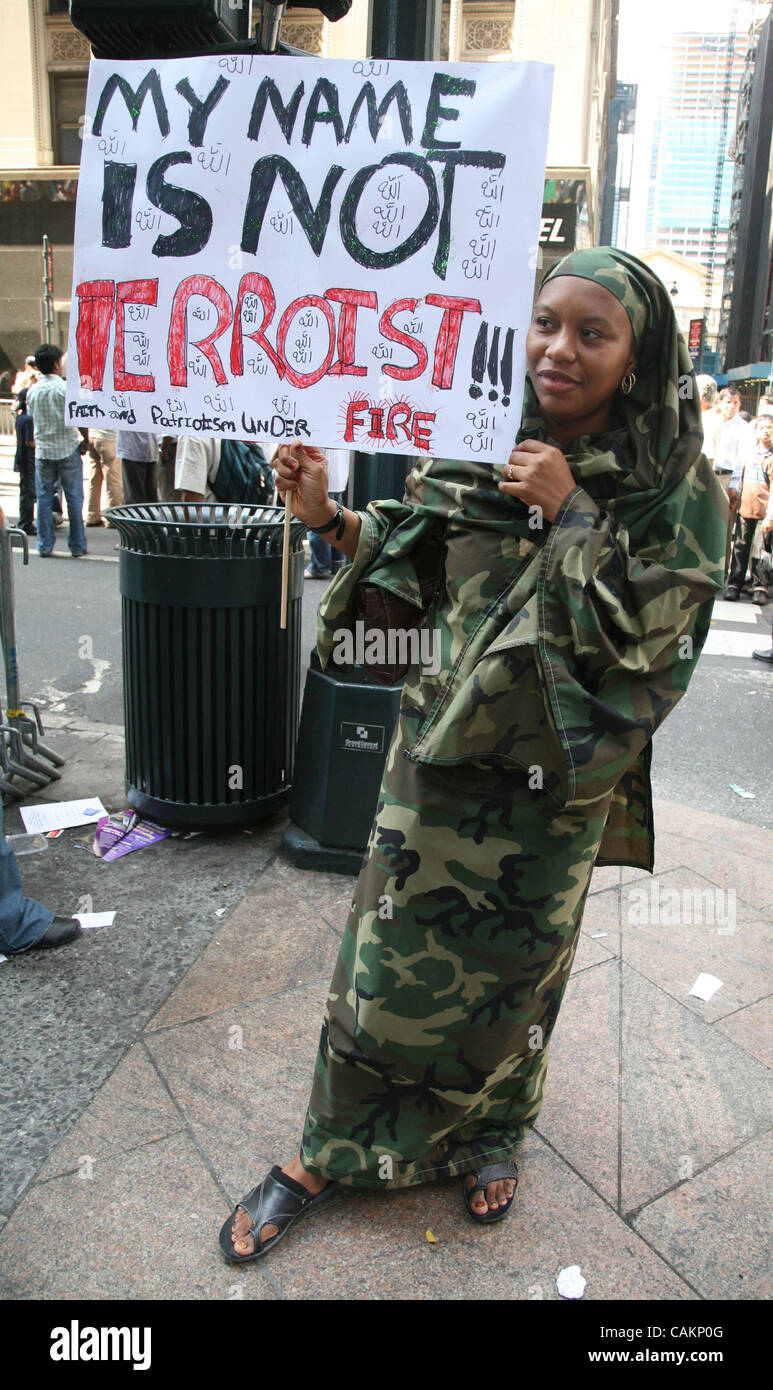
{"x": 496, "y": 1195}
{"x": 243, "y": 1242}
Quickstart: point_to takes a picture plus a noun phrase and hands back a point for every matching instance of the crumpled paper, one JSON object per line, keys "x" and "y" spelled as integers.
{"x": 570, "y": 1283}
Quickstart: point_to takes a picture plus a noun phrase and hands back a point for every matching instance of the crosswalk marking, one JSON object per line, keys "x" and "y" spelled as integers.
{"x": 734, "y": 612}
{"x": 722, "y": 642}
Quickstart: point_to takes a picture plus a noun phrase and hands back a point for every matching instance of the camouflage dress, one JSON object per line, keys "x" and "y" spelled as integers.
{"x": 518, "y": 766}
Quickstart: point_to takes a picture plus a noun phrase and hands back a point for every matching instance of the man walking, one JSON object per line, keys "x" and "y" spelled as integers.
{"x": 58, "y": 452}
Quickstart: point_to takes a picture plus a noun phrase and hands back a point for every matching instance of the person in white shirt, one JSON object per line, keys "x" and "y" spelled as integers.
{"x": 711, "y": 417}
{"x": 734, "y": 444}
{"x": 195, "y": 467}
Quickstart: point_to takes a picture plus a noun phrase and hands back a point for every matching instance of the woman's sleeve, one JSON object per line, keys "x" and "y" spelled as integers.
{"x": 622, "y": 626}
{"x": 400, "y": 551}
{"x": 337, "y": 611}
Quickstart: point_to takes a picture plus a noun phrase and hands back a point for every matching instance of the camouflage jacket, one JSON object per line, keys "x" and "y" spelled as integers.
{"x": 562, "y": 647}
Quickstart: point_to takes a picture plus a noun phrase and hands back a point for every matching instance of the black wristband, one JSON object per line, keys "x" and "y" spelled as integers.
{"x": 339, "y": 521}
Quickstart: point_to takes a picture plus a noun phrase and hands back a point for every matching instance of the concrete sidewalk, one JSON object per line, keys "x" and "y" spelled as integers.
{"x": 646, "y": 1168}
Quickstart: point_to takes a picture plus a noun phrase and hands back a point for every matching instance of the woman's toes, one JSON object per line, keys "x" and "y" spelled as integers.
{"x": 244, "y": 1245}
{"x": 478, "y": 1202}
{"x": 492, "y": 1195}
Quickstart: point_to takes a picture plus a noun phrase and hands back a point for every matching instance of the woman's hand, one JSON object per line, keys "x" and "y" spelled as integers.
{"x": 539, "y": 476}
{"x": 301, "y": 470}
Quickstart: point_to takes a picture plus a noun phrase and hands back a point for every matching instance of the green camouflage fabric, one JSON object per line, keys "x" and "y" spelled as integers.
{"x": 434, "y": 1047}
{"x": 522, "y": 763}
{"x": 614, "y": 597}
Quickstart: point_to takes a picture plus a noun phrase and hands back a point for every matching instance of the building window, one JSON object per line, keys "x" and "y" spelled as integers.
{"x": 58, "y": 7}
{"x": 68, "y": 103}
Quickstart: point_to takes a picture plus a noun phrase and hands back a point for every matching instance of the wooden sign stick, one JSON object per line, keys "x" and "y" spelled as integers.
{"x": 285, "y": 561}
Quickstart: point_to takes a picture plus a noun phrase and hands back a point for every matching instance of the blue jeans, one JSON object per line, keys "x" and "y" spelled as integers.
{"x": 70, "y": 471}
{"x": 22, "y": 920}
{"x": 325, "y": 558}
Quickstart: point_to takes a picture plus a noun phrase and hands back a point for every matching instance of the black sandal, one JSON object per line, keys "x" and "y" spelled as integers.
{"x": 277, "y": 1201}
{"x": 496, "y": 1172}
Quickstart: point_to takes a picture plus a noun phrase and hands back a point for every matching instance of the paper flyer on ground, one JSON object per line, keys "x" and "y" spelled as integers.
{"x": 60, "y": 815}
{"x": 122, "y": 833}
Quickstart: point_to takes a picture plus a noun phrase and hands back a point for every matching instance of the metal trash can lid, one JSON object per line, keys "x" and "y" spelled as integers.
{"x": 220, "y": 530}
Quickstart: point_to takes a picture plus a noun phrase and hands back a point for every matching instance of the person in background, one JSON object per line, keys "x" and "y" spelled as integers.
{"x": 765, "y": 406}
{"x": 25, "y": 925}
{"x": 24, "y": 465}
{"x": 755, "y": 484}
{"x": 766, "y": 653}
{"x": 103, "y": 466}
{"x": 139, "y": 464}
{"x": 27, "y": 377}
{"x": 711, "y": 417}
{"x": 167, "y": 457}
{"x": 325, "y": 560}
{"x": 200, "y": 471}
{"x": 734, "y": 443}
{"x": 58, "y": 452}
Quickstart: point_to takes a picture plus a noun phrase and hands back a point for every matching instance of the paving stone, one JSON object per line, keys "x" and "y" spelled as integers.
{"x": 245, "y": 1104}
{"x": 328, "y": 894}
{"x": 143, "y": 1226}
{"x": 692, "y": 823}
{"x": 602, "y": 914}
{"x": 716, "y": 1228}
{"x": 752, "y": 1029}
{"x": 728, "y": 867}
{"x": 680, "y": 925}
{"x": 69, "y": 1016}
{"x": 608, "y": 876}
{"x": 272, "y": 941}
{"x": 579, "y": 1114}
{"x": 131, "y": 1109}
{"x": 689, "y": 1094}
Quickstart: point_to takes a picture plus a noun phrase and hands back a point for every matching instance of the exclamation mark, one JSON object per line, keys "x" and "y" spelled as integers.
{"x": 506, "y": 366}
{"x": 479, "y": 361}
{"x": 493, "y": 366}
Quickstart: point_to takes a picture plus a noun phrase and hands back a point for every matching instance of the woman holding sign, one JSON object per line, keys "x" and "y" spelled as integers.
{"x": 570, "y": 595}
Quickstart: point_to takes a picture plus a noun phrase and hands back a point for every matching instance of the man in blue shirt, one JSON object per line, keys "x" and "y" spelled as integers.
{"x": 58, "y": 452}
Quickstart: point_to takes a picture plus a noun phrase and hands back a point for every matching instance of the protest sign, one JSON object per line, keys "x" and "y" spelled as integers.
{"x": 342, "y": 252}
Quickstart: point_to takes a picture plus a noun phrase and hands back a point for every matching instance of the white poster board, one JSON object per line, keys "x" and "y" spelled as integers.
{"x": 341, "y": 252}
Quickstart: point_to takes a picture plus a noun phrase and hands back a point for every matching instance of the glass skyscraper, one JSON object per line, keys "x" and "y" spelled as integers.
{"x": 689, "y": 136}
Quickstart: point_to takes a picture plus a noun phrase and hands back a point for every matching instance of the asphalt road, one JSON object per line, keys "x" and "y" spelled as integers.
{"x": 69, "y": 640}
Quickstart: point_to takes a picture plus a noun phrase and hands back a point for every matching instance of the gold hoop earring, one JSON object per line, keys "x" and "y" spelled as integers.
{"x": 627, "y": 384}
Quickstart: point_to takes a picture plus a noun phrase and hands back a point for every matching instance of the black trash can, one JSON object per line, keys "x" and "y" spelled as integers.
{"x": 347, "y": 723}
{"x": 211, "y": 683}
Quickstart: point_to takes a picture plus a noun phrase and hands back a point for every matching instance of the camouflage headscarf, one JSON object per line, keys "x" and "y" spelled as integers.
{"x": 659, "y": 423}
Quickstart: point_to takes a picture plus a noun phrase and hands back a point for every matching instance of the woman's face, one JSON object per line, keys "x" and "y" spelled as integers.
{"x": 579, "y": 347}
